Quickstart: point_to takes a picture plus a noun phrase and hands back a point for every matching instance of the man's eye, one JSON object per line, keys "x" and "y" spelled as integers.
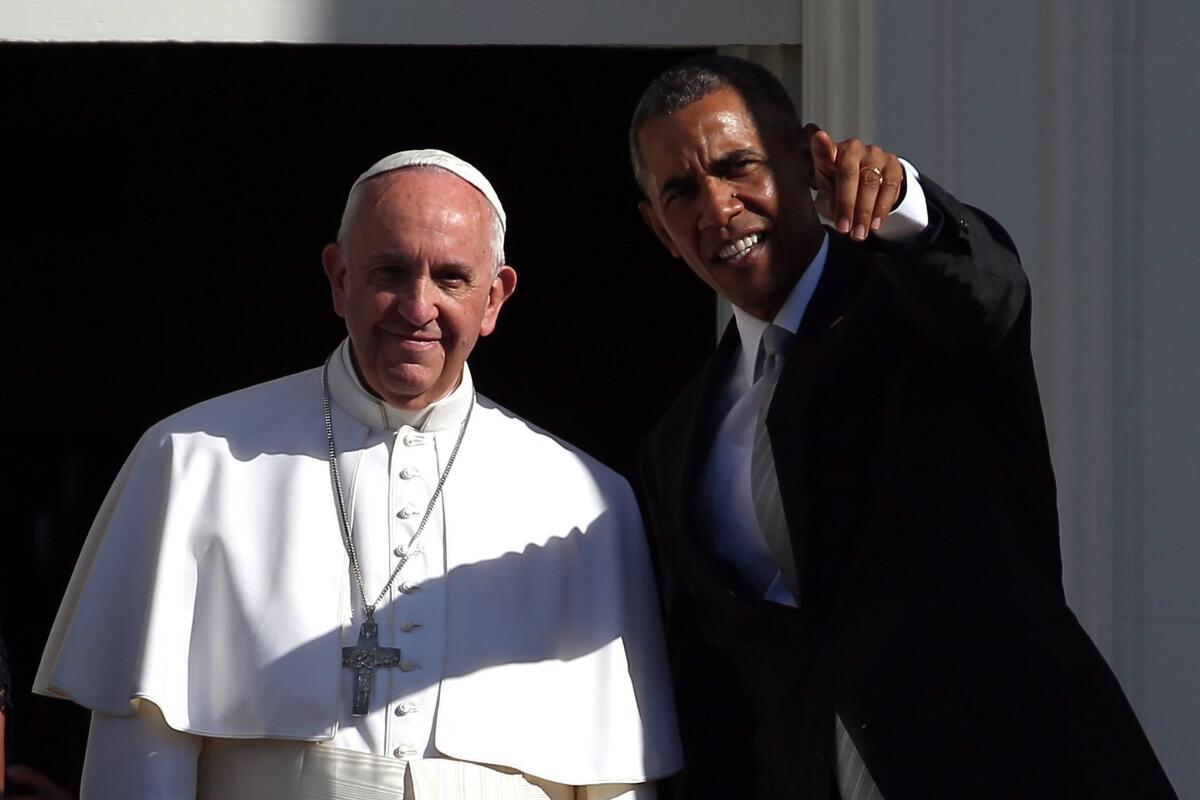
{"x": 678, "y": 194}
{"x": 387, "y": 273}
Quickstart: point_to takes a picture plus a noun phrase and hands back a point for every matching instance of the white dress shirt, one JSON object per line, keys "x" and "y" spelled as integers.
{"x": 725, "y": 508}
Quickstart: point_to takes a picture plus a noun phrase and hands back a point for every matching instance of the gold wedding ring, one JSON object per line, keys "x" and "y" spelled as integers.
{"x": 878, "y": 174}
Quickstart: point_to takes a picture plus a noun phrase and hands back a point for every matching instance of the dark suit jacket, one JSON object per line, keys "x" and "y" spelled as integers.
{"x": 915, "y": 473}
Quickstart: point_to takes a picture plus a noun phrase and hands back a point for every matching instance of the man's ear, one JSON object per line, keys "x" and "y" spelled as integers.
{"x": 335, "y": 271}
{"x": 503, "y": 285}
{"x": 650, "y": 217}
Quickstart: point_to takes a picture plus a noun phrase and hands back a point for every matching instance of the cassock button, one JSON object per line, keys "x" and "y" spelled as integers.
{"x": 408, "y": 473}
{"x": 408, "y": 512}
{"x": 413, "y": 440}
{"x": 816, "y": 759}
{"x": 409, "y": 588}
{"x": 405, "y": 708}
{"x": 408, "y": 666}
{"x": 409, "y": 627}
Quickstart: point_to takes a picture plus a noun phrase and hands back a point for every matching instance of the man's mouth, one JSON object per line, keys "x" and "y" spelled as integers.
{"x": 412, "y": 340}
{"x": 739, "y": 247}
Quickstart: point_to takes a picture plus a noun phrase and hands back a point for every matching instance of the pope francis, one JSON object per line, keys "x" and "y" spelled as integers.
{"x": 367, "y": 580}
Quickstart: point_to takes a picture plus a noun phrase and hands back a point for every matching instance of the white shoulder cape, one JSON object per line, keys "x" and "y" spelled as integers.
{"x": 214, "y": 583}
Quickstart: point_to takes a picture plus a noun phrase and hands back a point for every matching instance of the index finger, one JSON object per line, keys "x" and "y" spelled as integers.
{"x": 847, "y": 182}
{"x": 824, "y": 155}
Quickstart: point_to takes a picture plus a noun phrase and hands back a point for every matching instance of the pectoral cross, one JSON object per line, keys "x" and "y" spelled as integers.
{"x": 363, "y": 658}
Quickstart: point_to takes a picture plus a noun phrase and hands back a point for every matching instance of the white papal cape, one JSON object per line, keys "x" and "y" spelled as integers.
{"x": 214, "y": 583}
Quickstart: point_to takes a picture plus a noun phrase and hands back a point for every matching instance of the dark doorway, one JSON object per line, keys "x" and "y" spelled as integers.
{"x": 165, "y": 207}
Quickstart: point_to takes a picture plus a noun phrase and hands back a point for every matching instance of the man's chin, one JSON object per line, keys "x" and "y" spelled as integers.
{"x": 755, "y": 296}
{"x": 412, "y": 386}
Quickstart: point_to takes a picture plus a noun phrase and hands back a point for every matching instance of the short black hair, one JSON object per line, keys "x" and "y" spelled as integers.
{"x": 690, "y": 80}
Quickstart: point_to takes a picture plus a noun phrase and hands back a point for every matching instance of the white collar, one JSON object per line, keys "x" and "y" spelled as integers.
{"x": 351, "y": 396}
{"x": 750, "y": 328}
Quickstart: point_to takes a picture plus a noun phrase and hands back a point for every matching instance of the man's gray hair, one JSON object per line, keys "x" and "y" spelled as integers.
{"x": 695, "y": 78}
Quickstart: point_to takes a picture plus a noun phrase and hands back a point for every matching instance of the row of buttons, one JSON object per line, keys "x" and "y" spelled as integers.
{"x": 408, "y": 512}
{"x": 403, "y": 710}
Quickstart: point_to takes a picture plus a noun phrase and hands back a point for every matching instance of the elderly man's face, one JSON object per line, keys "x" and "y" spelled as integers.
{"x": 414, "y": 282}
{"x": 729, "y": 200}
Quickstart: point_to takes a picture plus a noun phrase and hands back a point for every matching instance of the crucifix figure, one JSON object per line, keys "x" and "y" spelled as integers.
{"x": 363, "y": 658}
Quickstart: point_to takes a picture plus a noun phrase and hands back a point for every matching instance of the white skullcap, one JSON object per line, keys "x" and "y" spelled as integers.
{"x": 442, "y": 160}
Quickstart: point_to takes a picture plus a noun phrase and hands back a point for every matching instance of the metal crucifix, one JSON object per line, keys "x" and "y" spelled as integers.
{"x": 363, "y": 658}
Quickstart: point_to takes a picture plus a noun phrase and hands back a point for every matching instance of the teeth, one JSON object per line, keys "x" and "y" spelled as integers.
{"x": 739, "y": 246}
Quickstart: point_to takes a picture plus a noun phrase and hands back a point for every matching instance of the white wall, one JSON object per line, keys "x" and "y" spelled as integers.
{"x": 1073, "y": 122}
{"x": 1158, "y": 608}
{"x": 661, "y": 22}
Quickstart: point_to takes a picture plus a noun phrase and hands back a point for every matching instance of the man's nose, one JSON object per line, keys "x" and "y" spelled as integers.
{"x": 719, "y": 203}
{"x": 415, "y": 302}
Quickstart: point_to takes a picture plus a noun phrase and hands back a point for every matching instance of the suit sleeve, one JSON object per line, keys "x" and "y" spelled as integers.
{"x": 961, "y": 281}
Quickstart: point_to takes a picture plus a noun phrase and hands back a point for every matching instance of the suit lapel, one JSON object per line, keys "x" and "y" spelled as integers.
{"x": 696, "y": 427}
{"x": 790, "y": 414}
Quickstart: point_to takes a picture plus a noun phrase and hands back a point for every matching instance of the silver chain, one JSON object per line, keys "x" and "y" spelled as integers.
{"x": 335, "y": 476}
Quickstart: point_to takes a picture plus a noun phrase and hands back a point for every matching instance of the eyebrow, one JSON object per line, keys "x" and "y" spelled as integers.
{"x": 724, "y": 164}
{"x": 388, "y": 256}
{"x": 720, "y": 167}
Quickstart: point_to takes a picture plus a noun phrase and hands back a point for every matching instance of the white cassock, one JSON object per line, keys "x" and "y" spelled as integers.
{"x": 215, "y": 586}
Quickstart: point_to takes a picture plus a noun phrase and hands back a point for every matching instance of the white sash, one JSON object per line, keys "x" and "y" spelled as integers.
{"x": 267, "y": 769}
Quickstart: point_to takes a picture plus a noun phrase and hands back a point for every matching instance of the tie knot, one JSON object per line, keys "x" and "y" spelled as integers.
{"x": 772, "y": 349}
{"x": 775, "y": 340}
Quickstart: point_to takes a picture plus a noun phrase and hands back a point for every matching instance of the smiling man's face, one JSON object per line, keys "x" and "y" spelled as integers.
{"x": 414, "y": 281}
{"x": 730, "y": 199}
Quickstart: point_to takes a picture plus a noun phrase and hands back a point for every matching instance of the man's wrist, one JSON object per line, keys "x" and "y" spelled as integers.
{"x": 910, "y": 215}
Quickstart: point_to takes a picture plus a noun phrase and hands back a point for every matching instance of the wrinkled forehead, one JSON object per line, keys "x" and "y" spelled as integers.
{"x": 419, "y": 205}
{"x": 442, "y": 160}
{"x": 417, "y": 190}
{"x": 691, "y": 138}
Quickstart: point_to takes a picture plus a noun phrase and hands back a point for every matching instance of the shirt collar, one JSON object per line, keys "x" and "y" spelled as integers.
{"x": 750, "y": 328}
{"x": 347, "y": 391}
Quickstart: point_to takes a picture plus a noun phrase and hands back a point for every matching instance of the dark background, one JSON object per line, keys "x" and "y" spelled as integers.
{"x": 164, "y": 208}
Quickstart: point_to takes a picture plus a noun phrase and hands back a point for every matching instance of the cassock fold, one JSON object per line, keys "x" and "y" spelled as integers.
{"x": 214, "y": 584}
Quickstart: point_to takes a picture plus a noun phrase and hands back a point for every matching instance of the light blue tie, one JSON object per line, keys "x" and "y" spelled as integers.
{"x": 853, "y": 778}
{"x": 764, "y": 483}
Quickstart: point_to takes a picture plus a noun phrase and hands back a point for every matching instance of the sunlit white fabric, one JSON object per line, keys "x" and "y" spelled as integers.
{"x": 214, "y": 583}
